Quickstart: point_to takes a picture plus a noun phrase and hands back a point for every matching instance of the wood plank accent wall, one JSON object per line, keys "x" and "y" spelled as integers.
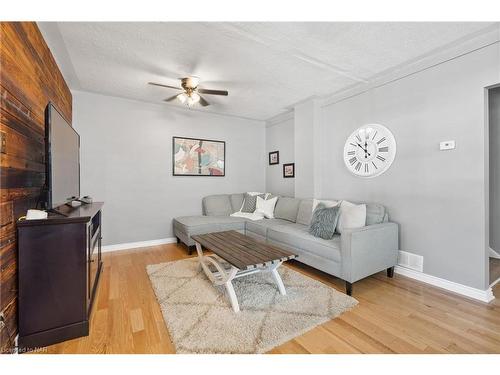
{"x": 29, "y": 79}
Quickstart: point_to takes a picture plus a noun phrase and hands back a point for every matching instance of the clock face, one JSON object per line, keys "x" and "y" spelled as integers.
{"x": 370, "y": 150}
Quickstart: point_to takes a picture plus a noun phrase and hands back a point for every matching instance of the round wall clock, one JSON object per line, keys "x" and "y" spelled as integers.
{"x": 370, "y": 150}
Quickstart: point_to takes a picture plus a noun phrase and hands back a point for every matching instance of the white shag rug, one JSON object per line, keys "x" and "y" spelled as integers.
{"x": 200, "y": 319}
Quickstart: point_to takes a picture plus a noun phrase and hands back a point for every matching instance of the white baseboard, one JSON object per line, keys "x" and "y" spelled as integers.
{"x": 478, "y": 294}
{"x": 493, "y": 254}
{"x": 135, "y": 245}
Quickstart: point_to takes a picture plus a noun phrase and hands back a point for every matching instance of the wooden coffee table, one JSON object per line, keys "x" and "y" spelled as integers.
{"x": 245, "y": 256}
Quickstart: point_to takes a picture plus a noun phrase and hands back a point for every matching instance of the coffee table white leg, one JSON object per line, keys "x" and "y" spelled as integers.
{"x": 221, "y": 276}
{"x": 232, "y": 296}
{"x": 277, "y": 279}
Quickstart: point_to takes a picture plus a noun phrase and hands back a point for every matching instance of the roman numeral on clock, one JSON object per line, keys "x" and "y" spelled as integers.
{"x": 366, "y": 167}
{"x": 380, "y": 158}
{"x": 353, "y": 160}
{"x": 384, "y": 149}
{"x": 375, "y": 165}
{"x": 358, "y": 166}
{"x": 351, "y": 153}
{"x": 381, "y": 140}
{"x": 358, "y": 137}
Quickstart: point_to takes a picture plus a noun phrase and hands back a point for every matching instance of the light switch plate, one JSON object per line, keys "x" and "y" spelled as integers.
{"x": 446, "y": 145}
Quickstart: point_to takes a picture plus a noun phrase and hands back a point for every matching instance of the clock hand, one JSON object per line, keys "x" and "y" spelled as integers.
{"x": 366, "y": 152}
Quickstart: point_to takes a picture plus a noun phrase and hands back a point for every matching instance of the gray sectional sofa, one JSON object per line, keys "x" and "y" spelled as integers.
{"x": 351, "y": 256}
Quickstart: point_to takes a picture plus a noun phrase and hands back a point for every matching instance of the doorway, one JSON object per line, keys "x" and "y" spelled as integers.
{"x": 494, "y": 184}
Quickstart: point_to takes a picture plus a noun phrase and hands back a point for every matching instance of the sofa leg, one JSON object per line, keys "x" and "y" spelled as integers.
{"x": 190, "y": 249}
{"x": 390, "y": 272}
{"x": 177, "y": 240}
{"x": 348, "y": 288}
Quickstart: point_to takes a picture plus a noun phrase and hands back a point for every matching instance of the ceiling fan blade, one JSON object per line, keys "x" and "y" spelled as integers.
{"x": 172, "y": 98}
{"x": 203, "y": 102}
{"x": 213, "y": 92}
{"x": 167, "y": 86}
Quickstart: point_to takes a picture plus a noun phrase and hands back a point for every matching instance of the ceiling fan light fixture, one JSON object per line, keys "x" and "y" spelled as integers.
{"x": 182, "y": 97}
{"x": 193, "y": 81}
{"x": 195, "y": 96}
{"x": 190, "y": 94}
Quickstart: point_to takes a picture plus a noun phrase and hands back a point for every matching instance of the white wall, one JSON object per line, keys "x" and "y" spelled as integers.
{"x": 126, "y": 161}
{"x": 437, "y": 197}
{"x": 304, "y": 117}
{"x": 280, "y": 137}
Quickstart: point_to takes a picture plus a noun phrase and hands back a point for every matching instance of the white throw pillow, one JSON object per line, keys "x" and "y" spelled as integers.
{"x": 327, "y": 204}
{"x": 351, "y": 216}
{"x": 266, "y": 207}
{"x": 249, "y": 215}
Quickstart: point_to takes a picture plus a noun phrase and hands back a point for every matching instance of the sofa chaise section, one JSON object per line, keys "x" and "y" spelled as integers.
{"x": 187, "y": 226}
{"x": 216, "y": 217}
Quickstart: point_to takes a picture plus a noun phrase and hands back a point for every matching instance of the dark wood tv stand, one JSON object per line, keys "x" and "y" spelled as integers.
{"x": 59, "y": 269}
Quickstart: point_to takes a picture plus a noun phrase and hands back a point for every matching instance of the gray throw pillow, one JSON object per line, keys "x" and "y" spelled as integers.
{"x": 251, "y": 202}
{"x": 324, "y": 220}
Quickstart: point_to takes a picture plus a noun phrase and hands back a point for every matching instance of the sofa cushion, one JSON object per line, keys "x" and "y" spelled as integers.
{"x": 260, "y": 227}
{"x": 217, "y": 205}
{"x": 324, "y": 220}
{"x": 325, "y": 202}
{"x": 297, "y": 236}
{"x": 236, "y": 201}
{"x": 375, "y": 213}
{"x": 287, "y": 208}
{"x": 205, "y": 224}
{"x": 304, "y": 213}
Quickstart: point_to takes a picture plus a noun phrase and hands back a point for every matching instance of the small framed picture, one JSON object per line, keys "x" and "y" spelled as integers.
{"x": 274, "y": 157}
{"x": 289, "y": 170}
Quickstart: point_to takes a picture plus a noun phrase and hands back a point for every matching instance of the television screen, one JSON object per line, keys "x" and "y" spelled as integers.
{"x": 63, "y": 159}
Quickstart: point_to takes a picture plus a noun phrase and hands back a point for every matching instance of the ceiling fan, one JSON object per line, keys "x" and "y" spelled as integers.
{"x": 191, "y": 92}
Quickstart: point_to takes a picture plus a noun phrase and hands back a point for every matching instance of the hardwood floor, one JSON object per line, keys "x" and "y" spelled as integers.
{"x": 396, "y": 315}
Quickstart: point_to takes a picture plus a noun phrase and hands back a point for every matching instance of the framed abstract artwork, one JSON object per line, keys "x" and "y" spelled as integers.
{"x": 289, "y": 170}
{"x": 198, "y": 157}
{"x": 274, "y": 157}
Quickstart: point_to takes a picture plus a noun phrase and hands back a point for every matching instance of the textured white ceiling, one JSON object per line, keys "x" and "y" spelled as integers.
{"x": 266, "y": 67}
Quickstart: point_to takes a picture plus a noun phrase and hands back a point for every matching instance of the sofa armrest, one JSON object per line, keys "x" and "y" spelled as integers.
{"x": 368, "y": 250}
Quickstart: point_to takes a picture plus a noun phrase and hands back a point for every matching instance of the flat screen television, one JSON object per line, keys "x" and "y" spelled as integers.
{"x": 63, "y": 159}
